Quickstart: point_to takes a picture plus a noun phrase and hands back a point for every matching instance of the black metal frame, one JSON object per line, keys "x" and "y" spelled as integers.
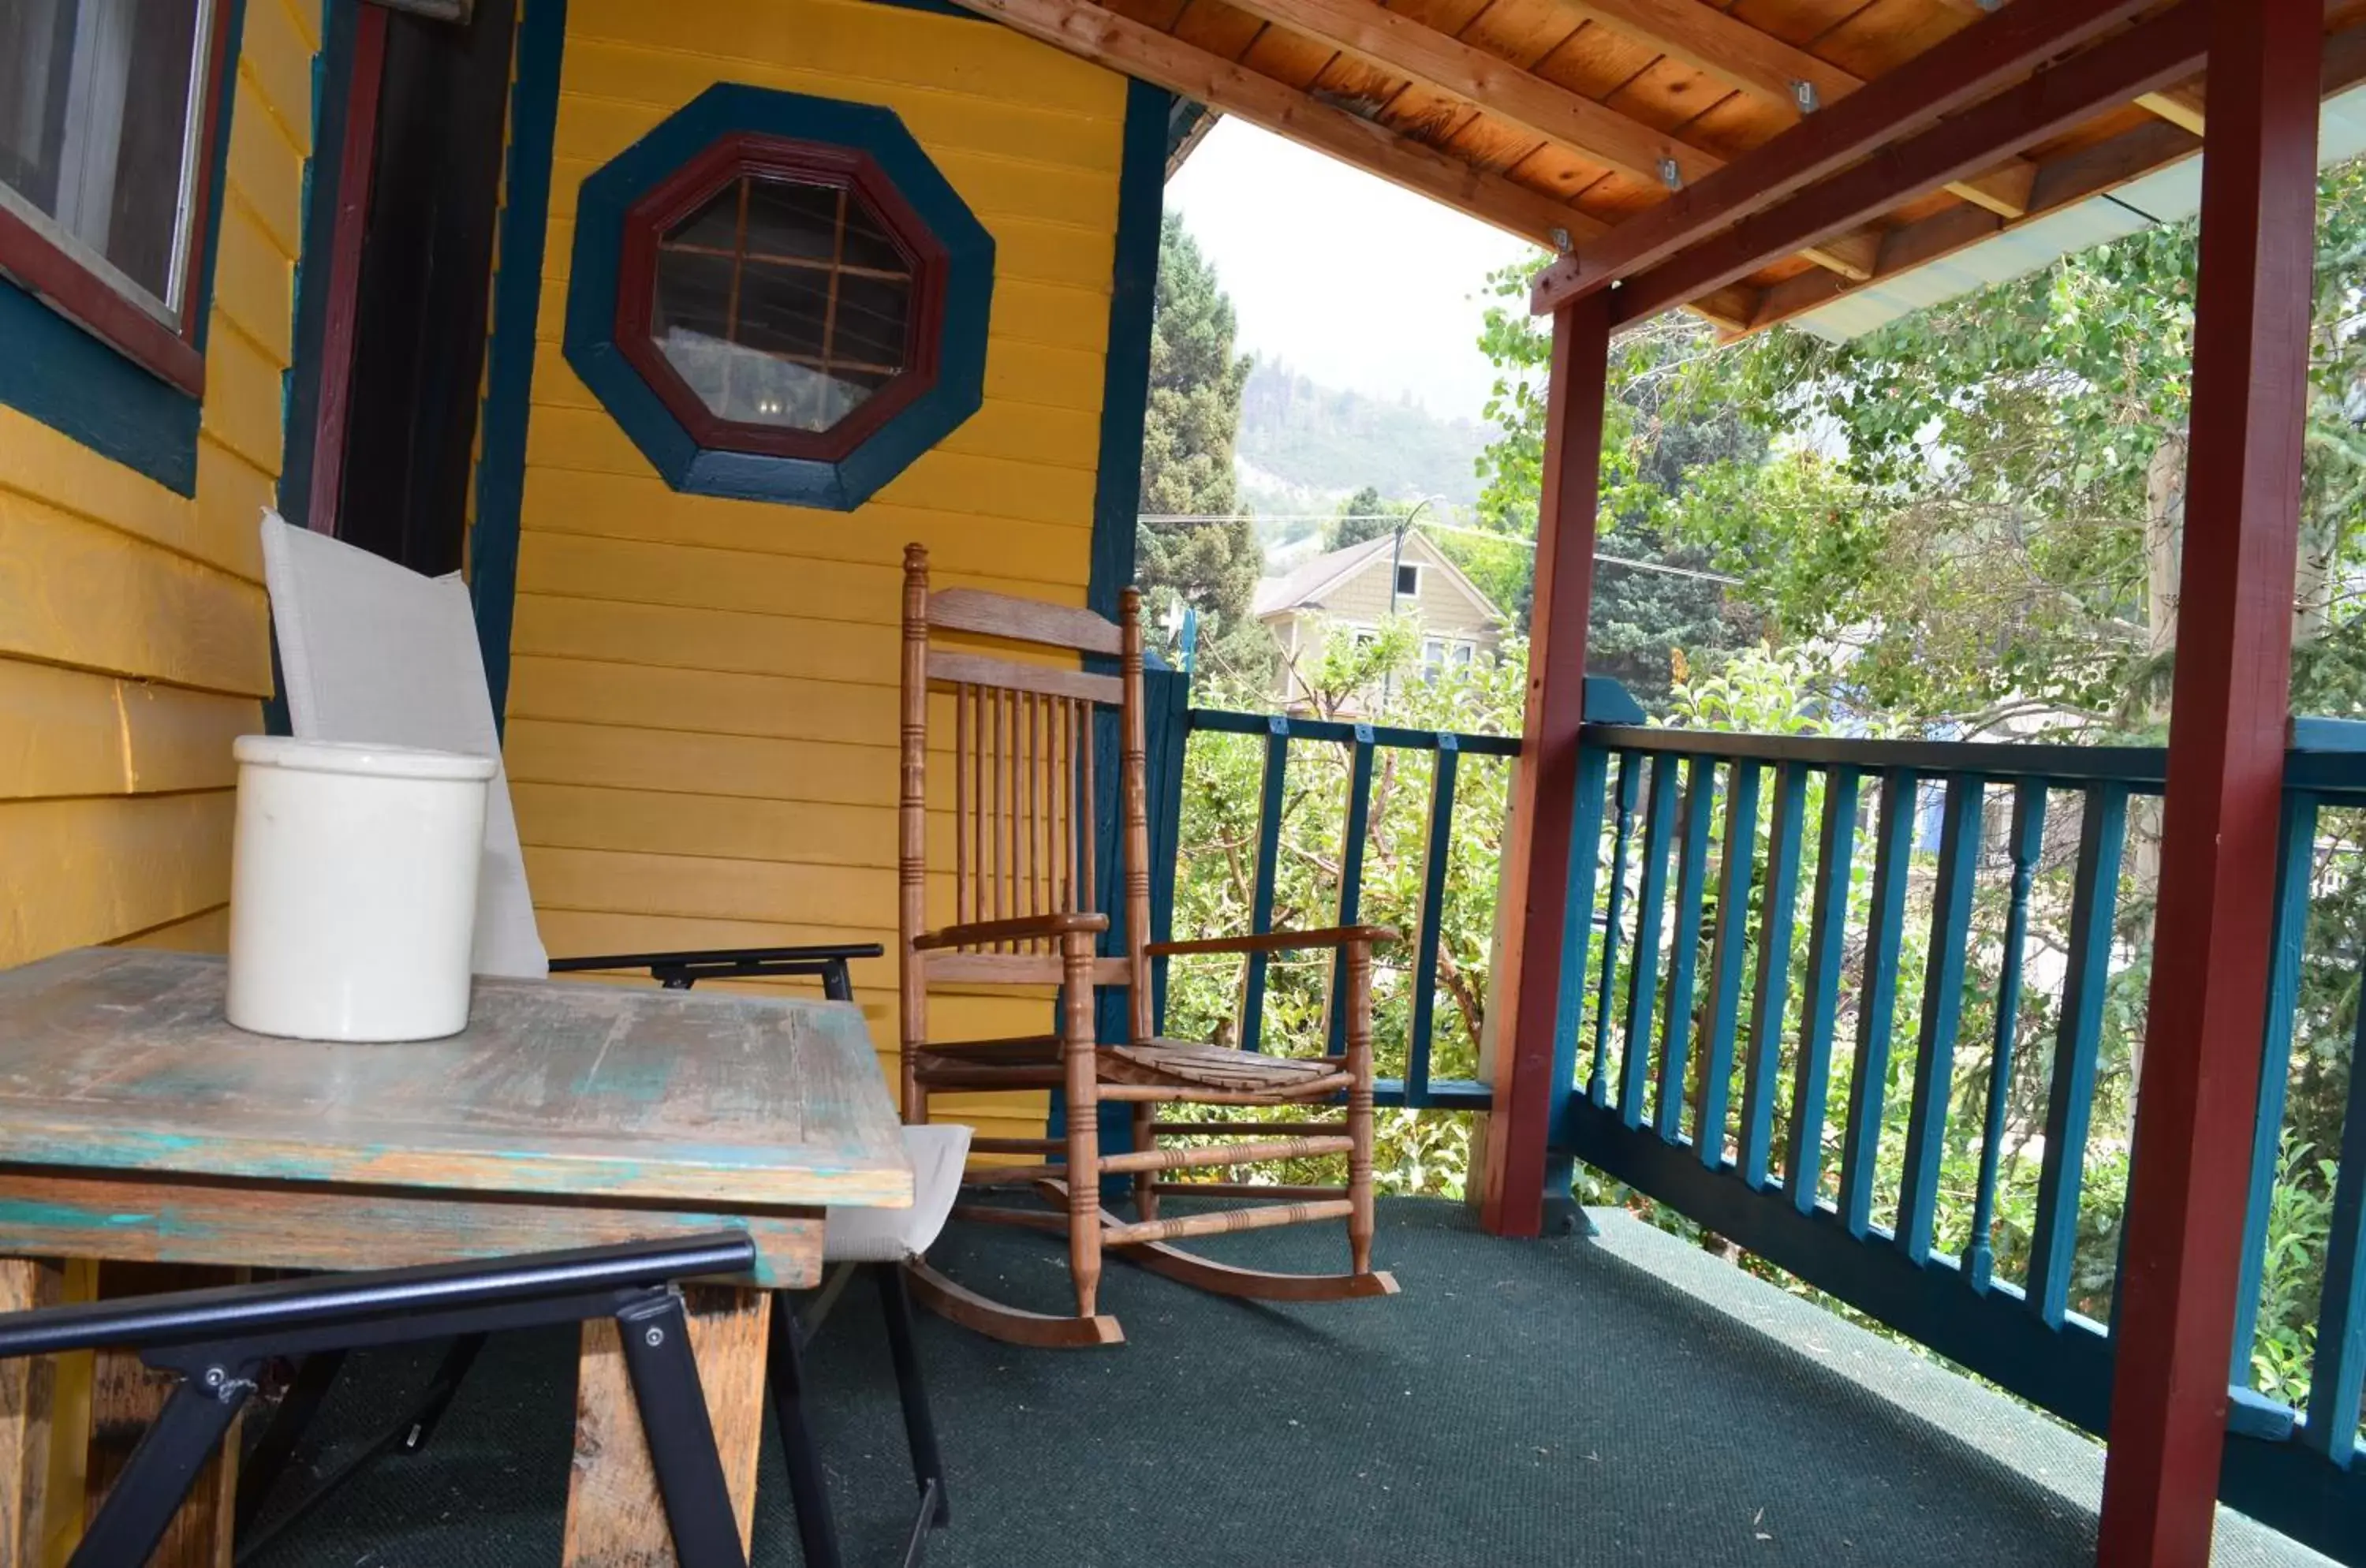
{"x": 681, "y": 971}
{"x": 217, "y": 1340}
{"x": 784, "y": 1368}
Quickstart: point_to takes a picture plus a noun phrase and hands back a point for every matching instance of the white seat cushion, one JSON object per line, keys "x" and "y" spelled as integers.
{"x": 369, "y": 650}
{"x": 852, "y": 1234}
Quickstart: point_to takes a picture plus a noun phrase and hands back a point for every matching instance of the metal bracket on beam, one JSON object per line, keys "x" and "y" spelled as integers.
{"x": 1804, "y": 94}
{"x": 1561, "y": 240}
{"x": 1671, "y": 174}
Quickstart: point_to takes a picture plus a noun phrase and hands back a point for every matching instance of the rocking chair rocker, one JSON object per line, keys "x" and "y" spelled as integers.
{"x": 1024, "y": 913}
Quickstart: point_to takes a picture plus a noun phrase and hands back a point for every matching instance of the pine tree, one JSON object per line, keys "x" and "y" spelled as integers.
{"x": 1363, "y": 515}
{"x": 1193, "y": 418}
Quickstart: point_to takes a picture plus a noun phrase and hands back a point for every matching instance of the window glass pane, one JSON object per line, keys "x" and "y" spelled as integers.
{"x": 871, "y": 320}
{"x": 786, "y": 220}
{"x": 1408, "y": 579}
{"x": 763, "y": 315}
{"x": 95, "y": 101}
{"x": 867, "y": 244}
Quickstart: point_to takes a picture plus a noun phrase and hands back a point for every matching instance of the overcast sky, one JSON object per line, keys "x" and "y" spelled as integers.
{"x": 1340, "y": 274}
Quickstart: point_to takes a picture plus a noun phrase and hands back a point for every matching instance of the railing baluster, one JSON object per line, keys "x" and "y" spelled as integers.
{"x": 2028, "y": 839}
{"x": 1351, "y": 875}
{"x": 1691, "y": 869}
{"x": 1943, "y": 1014}
{"x": 1827, "y": 942}
{"x": 2102, "y": 836}
{"x": 1576, "y": 942}
{"x": 1630, "y": 779}
{"x": 1643, "y": 972}
{"x": 1877, "y": 1002}
{"x": 1433, "y": 909}
{"x": 1737, "y": 857}
{"x": 1774, "y": 970}
{"x": 2295, "y": 866}
{"x": 1268, "y": 859}
{"x": 2331, "y": 1426}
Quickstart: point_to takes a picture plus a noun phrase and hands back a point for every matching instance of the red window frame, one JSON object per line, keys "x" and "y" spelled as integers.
{"x": 745, "y": 154}
{"x": 60, "y": 279}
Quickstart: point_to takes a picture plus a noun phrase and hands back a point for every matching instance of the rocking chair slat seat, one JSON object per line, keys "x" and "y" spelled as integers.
{"x": 1180, "y": 1063}
{"x": 1025, "y": 741}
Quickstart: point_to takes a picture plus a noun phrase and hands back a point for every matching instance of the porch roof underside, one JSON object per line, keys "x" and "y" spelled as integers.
{"x": 1561, "y": 121}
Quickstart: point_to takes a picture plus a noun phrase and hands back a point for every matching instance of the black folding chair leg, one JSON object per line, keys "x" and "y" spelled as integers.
{"x": 162, "y": 1468}
{"x": 808, "y": 1490}
{"x": 259, "y": 1471}
{"x": 681, "y": 1440}
{"x": 919, "y": 1426}
{"x": 442, "y": 1389}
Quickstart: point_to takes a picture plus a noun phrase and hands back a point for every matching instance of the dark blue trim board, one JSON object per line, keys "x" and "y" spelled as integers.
{"x": 54, "y": 371}
{"x": 509, "y": 355}
{"x": 1125, "y": 386}
{"x": 332, "y": 69}
{"x": 720, "y": 111}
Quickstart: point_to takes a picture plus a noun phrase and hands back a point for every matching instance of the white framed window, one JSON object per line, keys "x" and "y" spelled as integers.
{"x": 1408, "y": 579}
{"x": 106, "y": 110}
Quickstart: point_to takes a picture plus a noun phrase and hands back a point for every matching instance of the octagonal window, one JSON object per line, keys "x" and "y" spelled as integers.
{"x": 784, "y": 302}
{"x": 779, "y": 298}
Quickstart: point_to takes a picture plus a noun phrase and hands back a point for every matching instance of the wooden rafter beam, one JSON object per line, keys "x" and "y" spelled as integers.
{"x": 1723, "y": 46}
{"x": 2165, "y": 48}
{"x": 1506, "y": 91}
{"x": 1397, "y": 42}
{"x": 1095, "y": 33}
{"x": 2061, "y": 181}
{"x": 2182, "y": 106}
{"x": 1918, "y": 94}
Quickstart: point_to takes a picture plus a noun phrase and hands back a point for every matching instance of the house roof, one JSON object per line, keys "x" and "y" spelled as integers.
{"x": 1569, "y": 121}
{"x": 1304, "y": 588}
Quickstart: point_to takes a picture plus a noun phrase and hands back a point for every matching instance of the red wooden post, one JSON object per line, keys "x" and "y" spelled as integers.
{"x": 1512, "y": 1199}
{"x": 2225, "y": 770}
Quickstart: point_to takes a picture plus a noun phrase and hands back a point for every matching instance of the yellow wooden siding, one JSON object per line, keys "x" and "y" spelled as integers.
{"x": 702, "y": 726}
{"x": 133, "y": 631}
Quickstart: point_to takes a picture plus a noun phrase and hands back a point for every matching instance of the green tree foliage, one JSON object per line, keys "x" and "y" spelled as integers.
{"x": 1970, "y": 524}
{"x": 1192, "y": 420}
{"x": 1216, "y": 883}
{"x": 1660, "y": 429}
{"x": 1363, "y": 515}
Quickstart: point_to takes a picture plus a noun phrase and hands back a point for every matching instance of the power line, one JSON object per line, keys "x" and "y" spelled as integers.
{"x": 1208, "y": 519}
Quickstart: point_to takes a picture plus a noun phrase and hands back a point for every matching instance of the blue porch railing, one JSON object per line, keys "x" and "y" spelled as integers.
{"x": 1363, "y": 743}
{"x": 1703, "y": 1061}
{"x": 1805, "y": 961}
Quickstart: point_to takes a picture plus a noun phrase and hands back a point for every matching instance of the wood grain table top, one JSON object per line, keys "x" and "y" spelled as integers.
{"x": 121, "y": 1060}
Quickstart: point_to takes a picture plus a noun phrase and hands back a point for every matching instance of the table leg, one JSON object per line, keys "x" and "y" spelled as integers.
{"x": 125, "y": 1399}
{"x": 614, "y": 1518}
{"x": 27, "y": 1386}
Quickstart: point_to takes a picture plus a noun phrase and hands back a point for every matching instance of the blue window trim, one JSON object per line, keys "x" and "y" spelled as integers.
{"x": 591, "y": 344}
{"x": 1125, "y": 385}
{"x": 54, "y": 371}
{"x": 509, "y": 356}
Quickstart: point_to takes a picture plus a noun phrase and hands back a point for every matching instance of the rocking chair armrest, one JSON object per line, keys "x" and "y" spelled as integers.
{"x": 1278, "y": 941}
{"x": 1029, "y": 928}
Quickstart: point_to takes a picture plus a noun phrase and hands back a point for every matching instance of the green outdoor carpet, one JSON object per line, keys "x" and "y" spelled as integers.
{"x": 1623, "y": 1399}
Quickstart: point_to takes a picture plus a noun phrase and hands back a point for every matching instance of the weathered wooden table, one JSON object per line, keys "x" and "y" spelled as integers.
{"x": 136, "y": 1124}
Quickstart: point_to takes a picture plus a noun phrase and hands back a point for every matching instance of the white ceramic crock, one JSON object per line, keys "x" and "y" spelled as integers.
{"x": 353, "y": 896}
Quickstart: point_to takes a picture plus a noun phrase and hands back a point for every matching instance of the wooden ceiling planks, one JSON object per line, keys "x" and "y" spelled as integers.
{"x": 1543, "y": 114}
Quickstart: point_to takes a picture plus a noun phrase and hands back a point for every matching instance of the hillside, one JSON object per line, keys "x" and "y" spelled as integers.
{"x": 1307, "y": 445}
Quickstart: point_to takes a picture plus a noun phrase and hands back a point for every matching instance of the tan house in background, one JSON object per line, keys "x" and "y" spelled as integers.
{"x": 1360, "y": 587}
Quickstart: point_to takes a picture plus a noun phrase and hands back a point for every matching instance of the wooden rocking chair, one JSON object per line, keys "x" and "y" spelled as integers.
{"x": 1024, "y": 914}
